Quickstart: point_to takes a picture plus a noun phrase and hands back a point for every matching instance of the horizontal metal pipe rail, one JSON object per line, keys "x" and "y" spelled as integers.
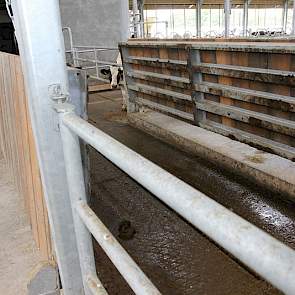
{"x": 96, "y": 47}
{"x": 267, "y": 256}
{"x": 97, "y": 63}
{"x": 76, "y": 50}
{"x": 87, "y": 223}
{"x": 130, "y": 271}
{"x": 102, "y": 62}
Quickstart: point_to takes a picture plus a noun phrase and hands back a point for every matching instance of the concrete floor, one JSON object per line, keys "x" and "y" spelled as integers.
{"x": 18, "y": 254}
{"x": 178, "y": 258}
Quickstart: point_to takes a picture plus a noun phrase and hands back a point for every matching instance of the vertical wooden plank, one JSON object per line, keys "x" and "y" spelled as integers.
{"x": 11, "y": 128}
{"x": 17, "y": 144}
{"x": 26, "y": 154}
{"x": 41, "y": 214}
{"x": 16, "y": 117}
{"x": 2, "y": 116}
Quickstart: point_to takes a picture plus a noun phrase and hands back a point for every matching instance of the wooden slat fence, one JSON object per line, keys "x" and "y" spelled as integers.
{"x": 244, "y": 90}
{"x": 18, "y": 148}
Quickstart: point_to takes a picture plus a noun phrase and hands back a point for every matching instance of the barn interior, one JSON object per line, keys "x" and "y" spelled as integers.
{"x": 147, "y": 147}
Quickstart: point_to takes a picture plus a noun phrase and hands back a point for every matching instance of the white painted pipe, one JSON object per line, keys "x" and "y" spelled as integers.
{"x": 267, "y": 256}
{"x": 293, "y": 22}
{"x": 130, "y": 271}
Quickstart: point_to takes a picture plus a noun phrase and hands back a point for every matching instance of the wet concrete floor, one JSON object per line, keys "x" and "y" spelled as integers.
{"x": 175, "y": 256}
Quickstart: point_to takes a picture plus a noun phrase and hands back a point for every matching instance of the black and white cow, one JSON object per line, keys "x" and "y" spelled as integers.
{"x": 116, "y": 77}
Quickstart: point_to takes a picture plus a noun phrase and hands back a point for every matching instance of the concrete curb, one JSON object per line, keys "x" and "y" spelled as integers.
{"x": 44, "y": 280}
{"x": 271, "y": 171}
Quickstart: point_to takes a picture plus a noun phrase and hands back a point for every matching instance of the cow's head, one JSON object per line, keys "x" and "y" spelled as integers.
{"x": 114, "y": 74}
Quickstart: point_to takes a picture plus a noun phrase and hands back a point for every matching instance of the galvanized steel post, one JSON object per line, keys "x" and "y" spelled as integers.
{"x": 293, "y": 23}
{"x": 285, "y": 16}
{"x": 141, "y": 12}
{"x": 227, "y": 12}
{"x": 245, "y": 17}
{"x": 135, "y": 17}
{"x": 77, "y": 191}
{"x": 39, "y": 34}
{"x": 199, "y": 17}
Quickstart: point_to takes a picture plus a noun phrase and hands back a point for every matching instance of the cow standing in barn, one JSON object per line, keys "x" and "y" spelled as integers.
{"x": 116, "y": 77}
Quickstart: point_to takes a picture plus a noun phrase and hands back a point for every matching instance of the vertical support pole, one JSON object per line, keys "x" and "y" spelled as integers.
{"x": 39, "y": 34}
{"x": 135, "y": 18}
{"x": 141, "y": 9}
{"x": 293, "y": 23}
{"x": 227, "y": 12}
{"x": 131, "y": 101}
{"x": 199, "y": 18}
{"x": 76, "y": 56}
{"x": 68, "y": 29}
{"x": 194, "y": 59}
{"x": 76, "y": 184}
{"x": 245, "y": 17}
{"x": 96, "y": 64}
{"x": 285, "y": 16}
{"x": 166, "y": 29}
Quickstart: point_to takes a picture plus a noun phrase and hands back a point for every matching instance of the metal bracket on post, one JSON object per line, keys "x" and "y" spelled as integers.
{"x": 56, "y": 93}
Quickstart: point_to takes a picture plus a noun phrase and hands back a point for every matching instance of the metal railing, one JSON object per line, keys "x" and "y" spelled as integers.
{"x": 46, "y": 77}
{"x": 267, "y": 256}
{"x": 81, "y": 57}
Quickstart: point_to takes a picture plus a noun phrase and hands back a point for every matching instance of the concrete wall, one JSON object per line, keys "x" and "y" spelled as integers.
{"x": 96, "y": 22}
